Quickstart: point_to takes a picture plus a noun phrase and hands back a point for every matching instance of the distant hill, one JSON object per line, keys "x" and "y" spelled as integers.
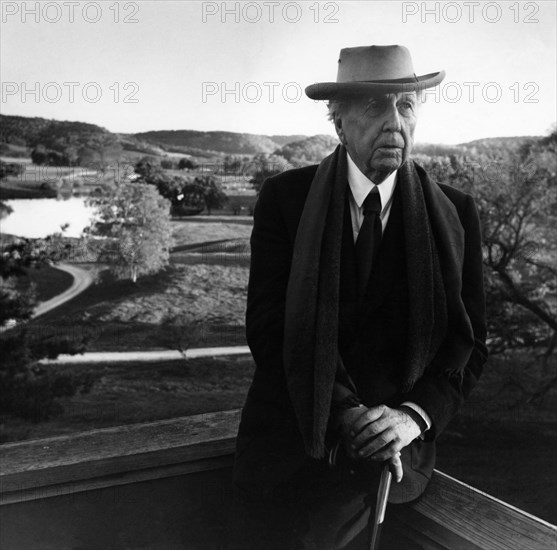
{"x": 513, "y": 144}
{"x": 18, "y": 133}
{"x": 310, "y": 150}
{"x": 30, "y": 131}
{"x": 283, "y": 140}
{"x": 230, "y": 143}
{"x": 500, "y": 141}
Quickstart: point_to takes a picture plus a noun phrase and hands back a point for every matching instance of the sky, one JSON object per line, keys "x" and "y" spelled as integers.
{"x": 243, "y": 66}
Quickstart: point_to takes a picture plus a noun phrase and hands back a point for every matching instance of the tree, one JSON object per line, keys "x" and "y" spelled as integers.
{"x": 100, "y": 147}
{"x": 28, "y": 389}
{"x": 214, "y": 196}
{"x": 186, "y": 164}
{"x": 5, "y": 210}
{"x": 515, "y": 188}
{"x": 39, "y": 155}
{"x": 265, "y": 166}
{"x": 10, "y": 169}
{"x": 148, "y": 169}
{"x": 202, "y": 192}
{"x": 232, "y": 164}
{"x": 134, "y": 220}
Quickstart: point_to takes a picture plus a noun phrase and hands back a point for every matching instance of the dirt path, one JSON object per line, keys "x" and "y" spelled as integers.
{"x": 82, "y": 279}
{"x": 155, "y": 355}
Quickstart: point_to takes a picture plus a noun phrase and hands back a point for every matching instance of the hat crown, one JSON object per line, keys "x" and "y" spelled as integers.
{"x": 374, "y": 63}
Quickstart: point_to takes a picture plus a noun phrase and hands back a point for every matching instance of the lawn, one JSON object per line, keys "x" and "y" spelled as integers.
{"x": 200, "y": 229}
{"x": 120, "y": 315}
{"x": 52, "y": 181}
{"x": 48, "y": 281}
{"x": 121, "y": 391}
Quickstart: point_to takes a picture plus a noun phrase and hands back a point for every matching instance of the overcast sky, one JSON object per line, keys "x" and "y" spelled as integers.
{"x": 242, "y": 66}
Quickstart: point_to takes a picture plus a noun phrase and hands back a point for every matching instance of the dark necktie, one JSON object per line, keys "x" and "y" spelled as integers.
{"x": 369, "y": 238}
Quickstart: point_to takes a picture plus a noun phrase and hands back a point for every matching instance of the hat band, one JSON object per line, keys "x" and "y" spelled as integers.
{"x": 406, "y": 80}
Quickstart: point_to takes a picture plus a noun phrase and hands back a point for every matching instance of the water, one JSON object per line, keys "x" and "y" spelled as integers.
{"x": 35, "y": 218}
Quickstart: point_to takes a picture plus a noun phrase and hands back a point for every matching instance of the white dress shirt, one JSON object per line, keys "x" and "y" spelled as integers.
{"x": 360, "y": 186}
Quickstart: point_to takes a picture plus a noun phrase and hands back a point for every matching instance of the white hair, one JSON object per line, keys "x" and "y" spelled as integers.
{"x": 334, "y": 108}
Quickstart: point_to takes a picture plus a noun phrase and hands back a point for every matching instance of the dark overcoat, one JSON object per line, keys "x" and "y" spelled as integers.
{"x": 372, "y": 337}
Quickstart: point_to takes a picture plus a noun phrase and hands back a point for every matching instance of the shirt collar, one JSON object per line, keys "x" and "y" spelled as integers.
{"x": 361, "y": 185}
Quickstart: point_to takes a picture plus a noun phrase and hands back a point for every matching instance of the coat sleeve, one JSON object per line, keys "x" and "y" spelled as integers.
{"x": 271, "y": 254}
{"x": 440, "y": 396}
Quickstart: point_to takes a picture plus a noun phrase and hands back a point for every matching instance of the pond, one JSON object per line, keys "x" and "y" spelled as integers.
{"x": 35, "y": 218}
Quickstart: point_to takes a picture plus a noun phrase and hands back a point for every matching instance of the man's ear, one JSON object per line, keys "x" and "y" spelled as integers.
{"x": 339, "y": 130}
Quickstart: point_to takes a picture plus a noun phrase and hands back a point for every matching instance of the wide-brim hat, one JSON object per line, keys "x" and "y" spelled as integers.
{"x": 374, "y": 69}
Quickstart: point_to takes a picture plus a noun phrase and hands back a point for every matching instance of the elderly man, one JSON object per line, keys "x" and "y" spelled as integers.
{"x": 365, "y": 318}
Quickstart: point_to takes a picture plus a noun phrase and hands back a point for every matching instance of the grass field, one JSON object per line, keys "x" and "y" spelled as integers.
{"x": 50, "y": 182}
{"x": 48, "y": 282}
{"x": 120, "y": 315}
{"x": 198, "y": 230}
{"x": 121, "y": 391}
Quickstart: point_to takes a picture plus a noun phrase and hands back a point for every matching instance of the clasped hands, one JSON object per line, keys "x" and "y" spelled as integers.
{"x": 378, "y": 433}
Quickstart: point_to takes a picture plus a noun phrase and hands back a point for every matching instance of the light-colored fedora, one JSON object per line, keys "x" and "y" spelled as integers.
{"x": 374, "y": 69}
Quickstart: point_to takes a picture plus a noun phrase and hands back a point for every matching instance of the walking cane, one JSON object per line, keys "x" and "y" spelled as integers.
{"x": 381, "y": 505}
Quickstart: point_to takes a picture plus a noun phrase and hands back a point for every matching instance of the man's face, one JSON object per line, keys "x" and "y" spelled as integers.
{"x": 379, "y": 132}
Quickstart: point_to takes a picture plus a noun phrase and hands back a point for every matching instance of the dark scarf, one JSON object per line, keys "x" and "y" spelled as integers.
{"x": 440, "y": 334}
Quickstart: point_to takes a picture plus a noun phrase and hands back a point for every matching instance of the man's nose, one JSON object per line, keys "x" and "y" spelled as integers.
{"x": 392, "y": 119}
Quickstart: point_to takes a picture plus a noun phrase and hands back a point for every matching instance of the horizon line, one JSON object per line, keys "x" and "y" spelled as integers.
{"x": 267, "y": 135}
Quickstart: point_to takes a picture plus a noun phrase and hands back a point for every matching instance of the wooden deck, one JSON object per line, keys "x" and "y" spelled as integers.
{"x": 165, "y": 485}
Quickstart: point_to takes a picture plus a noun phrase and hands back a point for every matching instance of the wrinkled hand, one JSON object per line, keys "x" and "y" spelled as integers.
{"x": 379, "y": 433}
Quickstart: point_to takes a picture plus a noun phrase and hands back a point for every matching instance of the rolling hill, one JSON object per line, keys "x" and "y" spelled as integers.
{"x": 230, "y": 143}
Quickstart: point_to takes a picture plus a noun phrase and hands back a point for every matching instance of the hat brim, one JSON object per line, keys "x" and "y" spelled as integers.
{"x": 336, "y": 90}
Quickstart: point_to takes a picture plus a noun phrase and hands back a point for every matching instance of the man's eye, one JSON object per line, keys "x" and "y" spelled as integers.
{"x": 375, "y": 106}
{"x": 406, "y": 105}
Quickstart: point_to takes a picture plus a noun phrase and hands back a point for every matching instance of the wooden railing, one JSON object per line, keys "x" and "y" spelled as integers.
{"x": 169, "y": 480}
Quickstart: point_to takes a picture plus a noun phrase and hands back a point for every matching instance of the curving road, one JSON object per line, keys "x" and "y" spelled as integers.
{"x": 82, "y": 279}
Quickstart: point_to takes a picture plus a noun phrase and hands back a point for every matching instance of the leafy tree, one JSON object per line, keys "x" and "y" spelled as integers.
{"x": 135, "y": 221}
{"x": 232, "y": 164}
{"x": 5, "y": 210}
{"x": 39, "y": 155}
{"x": 186, "y": 164}
{"x": 213, "y": 194}
{"x": 152, "y": 173}
{"x": 27, "y": 389}
{"x": 186, "y": 195}
{"x": 10, "y": 169}
{"x": 264, "y": 166}
{"x": 101, "y": 148}
{"x": 201, "y": 192}
{"x": 516, "y": 193}
{"x": 182, "y": 330}
{"x": 147, "y": 168}
{"x": 167, "y": 164}
{"x": 308, "y": 151}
